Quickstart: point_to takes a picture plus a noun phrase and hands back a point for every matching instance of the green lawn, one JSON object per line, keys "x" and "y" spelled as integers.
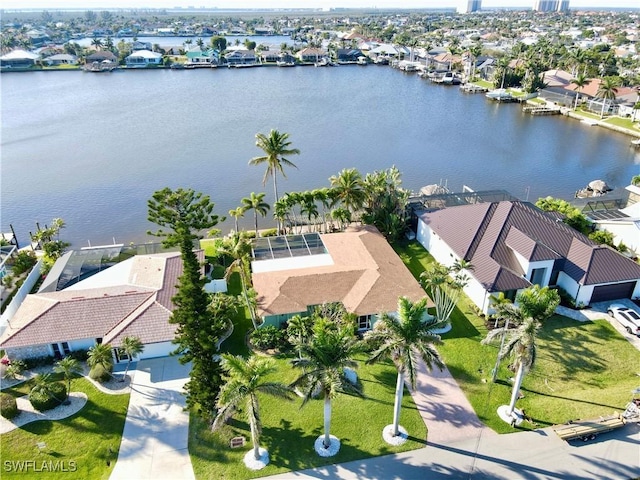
{"x": 620, "y": 122}
{"x": 90, "y": 438}
{"x": 484, "y": 83}
{"x": 583, "y": 369}
{"x": 289, "y": 432}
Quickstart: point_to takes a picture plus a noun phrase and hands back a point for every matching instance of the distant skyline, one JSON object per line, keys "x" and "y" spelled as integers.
{"x": 325, "y": 4}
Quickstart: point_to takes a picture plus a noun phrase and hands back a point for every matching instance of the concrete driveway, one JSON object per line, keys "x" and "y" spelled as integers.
{"x": 156, "y": 431}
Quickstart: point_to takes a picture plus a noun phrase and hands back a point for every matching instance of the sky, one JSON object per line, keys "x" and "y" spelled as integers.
{"x": 227, "y": 4}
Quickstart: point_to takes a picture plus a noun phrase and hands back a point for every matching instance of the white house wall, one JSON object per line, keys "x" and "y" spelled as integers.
{"x": 627, "y": 232}
{"x": 547, "y": 265}
{"x": 153, "y": 350}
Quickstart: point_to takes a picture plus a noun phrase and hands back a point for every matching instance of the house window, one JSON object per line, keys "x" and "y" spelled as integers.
{"x": 537, "y": 276}
{"x": 121, "y": 356}
{"x": 364, "y": 322}
{"x": 554, "y": 277}
{"x": 511, "y": 295}
{"x": 65, "y": 349}
{"x": 56, "y": 350}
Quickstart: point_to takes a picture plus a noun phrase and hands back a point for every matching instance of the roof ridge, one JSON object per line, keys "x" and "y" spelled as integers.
{"x": 129, "y": 319}
{"x": 477, "y": 238}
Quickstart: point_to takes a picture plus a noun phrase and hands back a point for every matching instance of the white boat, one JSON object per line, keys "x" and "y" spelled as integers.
{"x": 589, "y": 122}
{"x": 636, "y": 143}
{"x": 285, "y": 64}
{"x": 362, "y": 60}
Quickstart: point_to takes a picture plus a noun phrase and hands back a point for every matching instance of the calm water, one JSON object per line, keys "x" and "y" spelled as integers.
{"x": 92, "y": 148}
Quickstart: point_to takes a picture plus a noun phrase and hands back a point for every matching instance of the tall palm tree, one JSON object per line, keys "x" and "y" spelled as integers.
{"x": 400, "y": 337}
{"x": 275, "y": 146}
{"x": 237, "y": 213}
{"x": 131, "y": 347}
{"x": 324, "y": 358}
{"x": 238, "y": 247}
{"x": 309, "y": 207}
{"x": 348, "y": 189}
{"x": 281, "y": 211}
{"x": 322, "y": 195}
{"x": 69, "y": 367}
{"x": 580, "y": 81}
{"x": 245, "y": 378}
{"x": 607, "y": 91}
{"x": 256, "y": 203}
{"x": 511, "y": 314}
{"x": 521, "y": 346}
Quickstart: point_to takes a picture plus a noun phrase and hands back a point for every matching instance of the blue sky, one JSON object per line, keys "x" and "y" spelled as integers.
{"x": 100, "y": 4}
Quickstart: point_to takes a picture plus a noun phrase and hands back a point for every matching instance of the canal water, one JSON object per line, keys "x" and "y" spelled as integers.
{"x": 92, "y": 148}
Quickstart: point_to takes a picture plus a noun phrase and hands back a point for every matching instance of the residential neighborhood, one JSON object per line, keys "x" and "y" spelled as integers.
{"x": 351, "y": 327}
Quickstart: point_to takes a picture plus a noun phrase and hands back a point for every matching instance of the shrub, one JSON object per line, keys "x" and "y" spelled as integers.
{"x": 99, "y": 373}
{"x": 272, "y": 232}
{"x": 43, "y": 400}
{"x": 268, "y": 337}
{"x": 33, "y": 362}
{"x": 8, "y": 406}
{"x": 23, "y": 262}
{"x": 80, "y": 355}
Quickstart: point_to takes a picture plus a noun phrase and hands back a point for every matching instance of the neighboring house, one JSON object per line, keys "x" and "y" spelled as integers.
{"x": 349, "y": 55}
{"x": 132, "y": 298}
{"x": 311, "y": 55}
{"x": 264, "y": 30}
{"x": 18, "y": 59}
{"x": 445, "y": 61}
{"x": 358, "y": 268}
{"x": 138, "y": 45}
{"x": 202, "y": 58}
{"x": 61, "y": 59}
{"x": 513, "y": 245}
{"x": 101, "y": 56}
{"x": 623, "y": 222}
{"x": 241, "y": 57}
{"x": 387, "y": 50}
{"x": 143, "y": 58}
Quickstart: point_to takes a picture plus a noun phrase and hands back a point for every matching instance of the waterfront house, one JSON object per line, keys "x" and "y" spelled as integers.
{"x": 311, "y": 55}
{"x": 132, "y": 298}
{"x": 138, "y": 45}
{"x": 18, "y": 59}
{"x": 513, "y": 245}
{"x": 348, "y": 55}
{"x": 101, "y": 56}
{"x": 241, "y": 57}
{"x": 61, "y": 59}
{"x": 389, "y": 51}
{"x": 143, "y": 58}
{"x": 196, "y": 57}
{"x": 358, "y": 268}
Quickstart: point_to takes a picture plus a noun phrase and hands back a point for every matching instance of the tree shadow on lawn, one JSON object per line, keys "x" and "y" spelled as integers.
{"x": 461, "y": 327}
{"x": 574, "y": 349}
{"x": 293, "y": 449}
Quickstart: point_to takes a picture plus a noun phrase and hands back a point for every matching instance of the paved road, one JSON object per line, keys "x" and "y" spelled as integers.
{"x": 156, "y": 431}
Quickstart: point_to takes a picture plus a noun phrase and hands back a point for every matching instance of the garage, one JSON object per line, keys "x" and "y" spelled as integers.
{"x": 615, "y": 291}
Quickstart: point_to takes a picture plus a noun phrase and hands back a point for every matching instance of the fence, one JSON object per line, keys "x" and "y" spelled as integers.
{"x": 19, "y": 297}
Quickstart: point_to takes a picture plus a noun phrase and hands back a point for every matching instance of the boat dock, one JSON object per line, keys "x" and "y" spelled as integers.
{"x": 473, "y": 88}
{"x": 541, "y": 110}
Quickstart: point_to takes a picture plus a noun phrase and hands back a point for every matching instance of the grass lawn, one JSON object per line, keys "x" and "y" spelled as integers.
{"x": 289, "y": 432}
{"x": 90, "y": 438}
{"x": 620, "y": 122}
{"x": 483, "y": 83}
{"x": 583, "y": 369}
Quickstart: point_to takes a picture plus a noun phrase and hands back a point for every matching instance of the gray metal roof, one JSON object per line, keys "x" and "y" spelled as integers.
{"x": 489, "y": 235}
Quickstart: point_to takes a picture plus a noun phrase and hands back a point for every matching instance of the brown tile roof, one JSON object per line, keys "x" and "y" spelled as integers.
{"x": 490, "y": 234}
{"x": 140, "y": 308}
{"x": 366, "y": 276}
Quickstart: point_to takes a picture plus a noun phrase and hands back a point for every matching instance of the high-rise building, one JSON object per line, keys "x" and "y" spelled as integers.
{"x": 468, "y": 6}
{"x": 551, "y": 5}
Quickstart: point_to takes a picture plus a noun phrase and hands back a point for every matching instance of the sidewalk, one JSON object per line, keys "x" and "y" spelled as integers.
{"x": 156, "y": 431}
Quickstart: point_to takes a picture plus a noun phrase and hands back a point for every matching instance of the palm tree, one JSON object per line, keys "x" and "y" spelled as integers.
{"x": 507, "y": 311}
{"x": 256, "y": 203}
{"x": 322, "y": 195}
{"x": 443, "y": 288}
{"x": 100, "y": 354}
{"x": 400, "y": 337}
{"x": 275, "y": 146}
{"x": 237, "y": 213}
{"x": 607, "y": 91}
{"x": 245, "y": 378}
{"x": 324, "y": 358}
{"x": 309, "y": 207}
{"x": 96, "y": 42}
{"x": 42, "y": 383}
{"x": 521, "y": 345}
{"x": 299, "y": 330}
{"x": 131, "y": 347}
{"x": 281, "y": 211}
{"x": 69, "y": 367}
{"x": 237, "y": 246}
{"x": 348, "y": 189}
{"x": 580, "y": 81}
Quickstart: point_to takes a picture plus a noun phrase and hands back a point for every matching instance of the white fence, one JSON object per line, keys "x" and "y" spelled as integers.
{"x": 22, "y": 293}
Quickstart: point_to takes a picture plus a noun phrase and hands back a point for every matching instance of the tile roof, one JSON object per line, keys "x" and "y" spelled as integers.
{"x": 139, "y": 306}
{"x": 366, "y": 276}
{"x": 492, "y": 235}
